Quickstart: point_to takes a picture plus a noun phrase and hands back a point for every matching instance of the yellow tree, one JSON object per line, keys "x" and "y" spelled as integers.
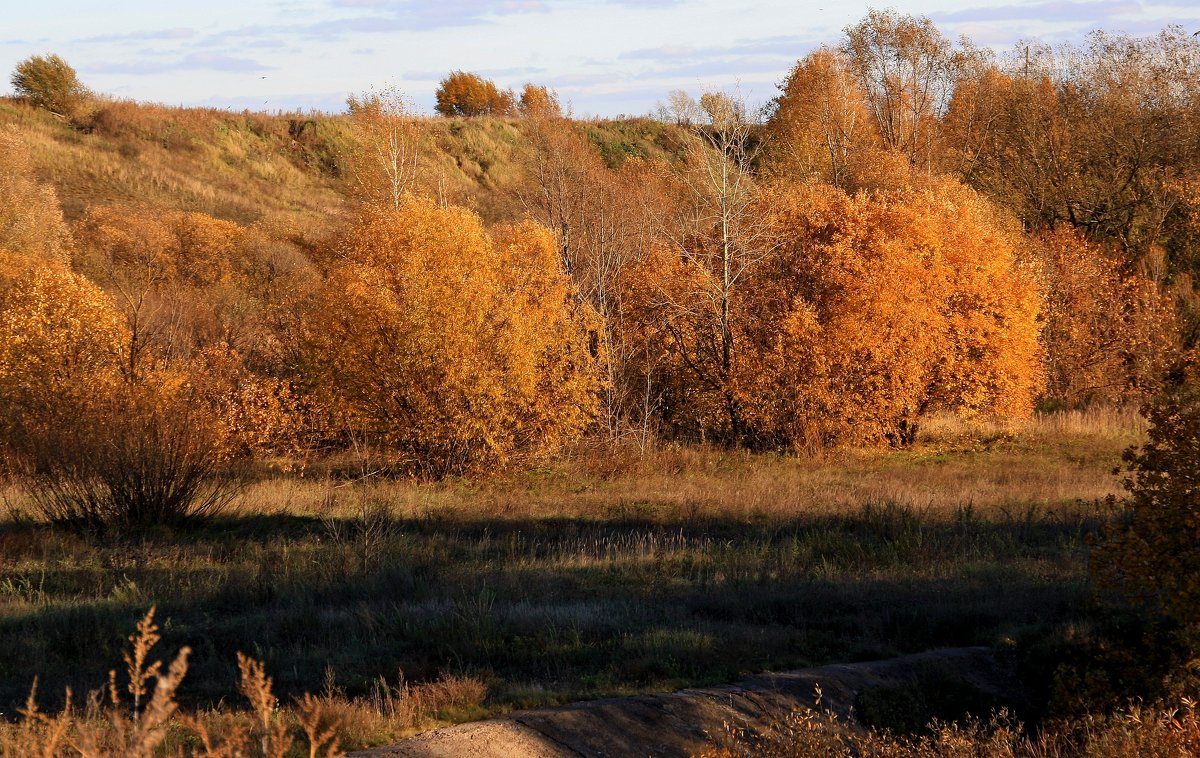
{"x": 48, "y": 81}
{"x": 879, "y": 308}
{"x": 451, "y": 346}
{"x": 87, "y": 442}
{"x": 867, "y": 311}
{"x": 58, "y": 333}
{"x": 468, "y": 95}
{"x": 539, "y": 102}
{"x": 820, "y": 122}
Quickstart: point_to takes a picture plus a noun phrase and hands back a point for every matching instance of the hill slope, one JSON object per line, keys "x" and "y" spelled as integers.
{"x": 281, "y": 170}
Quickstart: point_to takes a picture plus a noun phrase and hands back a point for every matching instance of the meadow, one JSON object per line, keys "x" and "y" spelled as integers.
{"x": 612, "y": 570}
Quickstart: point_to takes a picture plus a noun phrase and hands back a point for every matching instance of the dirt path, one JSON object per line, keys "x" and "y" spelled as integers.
{"x": 678, "y": 724}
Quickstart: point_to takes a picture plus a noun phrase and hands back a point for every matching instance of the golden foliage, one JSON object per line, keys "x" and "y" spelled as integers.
{"x": 465, "y": 94}
{"x": 539, "y": 102}
{"x": 1109, "y": 334}
{"x": 449, "y": 344}
{"x": 31, "y": 221}
{"x": 820, "y": 122}
{"x": 60, "y": 336}
{"x": 888, "y": 307}
{"x": 869, "y": 311}
{"x": 88, "y": 440}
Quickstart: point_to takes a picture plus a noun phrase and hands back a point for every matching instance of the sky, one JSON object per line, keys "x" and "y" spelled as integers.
{"x": 604, "y": 57}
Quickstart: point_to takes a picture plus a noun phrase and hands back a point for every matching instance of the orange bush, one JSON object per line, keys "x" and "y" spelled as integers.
{"x": 869, "y": 311}
{"x": 450, "y": 345}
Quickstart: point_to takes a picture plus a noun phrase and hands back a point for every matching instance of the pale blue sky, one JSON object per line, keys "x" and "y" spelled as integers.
{"x": 605, "y": 57}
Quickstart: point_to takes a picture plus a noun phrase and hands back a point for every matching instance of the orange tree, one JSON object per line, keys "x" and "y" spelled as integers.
{"x": 820, "y": 125}
{"x": 868, "y": 311}
{"x": 1110, "y": 333}
{"x": 449, "y": 345}
{"x": 465, "y": 94}
{"x": 88, "y": 441}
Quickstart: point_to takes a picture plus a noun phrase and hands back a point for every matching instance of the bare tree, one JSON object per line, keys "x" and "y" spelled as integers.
{"x": 390, "y": 139}
{"x": 722, "y": 239}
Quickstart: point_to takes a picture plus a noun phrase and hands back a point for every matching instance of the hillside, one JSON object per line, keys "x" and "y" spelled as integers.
{"x": 281, "y": 170}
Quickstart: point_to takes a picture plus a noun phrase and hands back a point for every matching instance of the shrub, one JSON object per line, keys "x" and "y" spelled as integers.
{"x": 449, "y": 344}
{"x": 133, "y": 455}
{"x": 88, "y": 444}
{"x": 464, "y": 94}
{"x": 1152, "y": 551}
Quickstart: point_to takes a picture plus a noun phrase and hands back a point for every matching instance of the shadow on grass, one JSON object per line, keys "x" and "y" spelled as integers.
{"x": 545, "y": 610}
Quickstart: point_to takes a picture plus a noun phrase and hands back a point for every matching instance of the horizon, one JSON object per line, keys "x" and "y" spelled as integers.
{"x": 605, "y": 59}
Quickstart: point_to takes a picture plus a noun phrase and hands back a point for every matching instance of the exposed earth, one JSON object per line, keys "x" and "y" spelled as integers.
{"x": 898, "y": 692}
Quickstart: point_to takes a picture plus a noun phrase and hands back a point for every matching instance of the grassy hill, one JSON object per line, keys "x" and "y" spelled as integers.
{"x": 281, "y": 170}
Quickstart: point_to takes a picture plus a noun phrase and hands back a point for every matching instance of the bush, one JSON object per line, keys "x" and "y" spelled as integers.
{"x": 87, "y": 443}
{"x": 1152, "y": 551}
{"x": 451, "y": 345}
{"x": 47, "y": 81}
{"x": 136, "y": 455}
{"x": 464, "y": 94}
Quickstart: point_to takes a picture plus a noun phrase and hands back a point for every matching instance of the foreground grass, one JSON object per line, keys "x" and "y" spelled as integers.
{"x": 607, "y": 573}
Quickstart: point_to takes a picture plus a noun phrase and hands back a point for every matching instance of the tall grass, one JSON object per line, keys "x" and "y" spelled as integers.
{"x": 138, "y": 715}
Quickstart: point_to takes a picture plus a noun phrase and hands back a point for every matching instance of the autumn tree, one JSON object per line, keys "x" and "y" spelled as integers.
{"x": 680, "y": 109}
{"x": 49, "y": 82}
{"x": 819, "y": 125}
{"x": 90, "y": 444}
{"x": 390, "y": 140}
{"x": 1097, "y": 136}
{"x": 465, "y": 94}
{"x": 448, "y": 345}
{"x": 879, "y": 309}
{"x": 1110, "y": 333}
{"x": 185, "y": 281}
{"x": 539, "y": 102}
{"x": 723, "y": 109}
{"x": 717, "y": 244}
{"x": 209, "y": 301}
{"x": 907, "y": 71}
{"x": 601, "y": 219}
{"x": 135, "y": 256}
{"x": 865, "y": 312}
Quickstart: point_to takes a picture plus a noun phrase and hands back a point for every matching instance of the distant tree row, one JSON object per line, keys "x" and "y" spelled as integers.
{"x": 470, "y": 95}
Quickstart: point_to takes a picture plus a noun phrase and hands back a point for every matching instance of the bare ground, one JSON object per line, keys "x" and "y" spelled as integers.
{"x": 683, "y": 723}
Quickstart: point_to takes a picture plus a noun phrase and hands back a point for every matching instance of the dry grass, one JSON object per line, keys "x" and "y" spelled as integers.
{"x": 242, "y": 167}
{"x": 991, "y": 467}
{"x": 143, "y": 718}
{"x": 1147, "y": 732}
{"x": 282, "y": 170}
